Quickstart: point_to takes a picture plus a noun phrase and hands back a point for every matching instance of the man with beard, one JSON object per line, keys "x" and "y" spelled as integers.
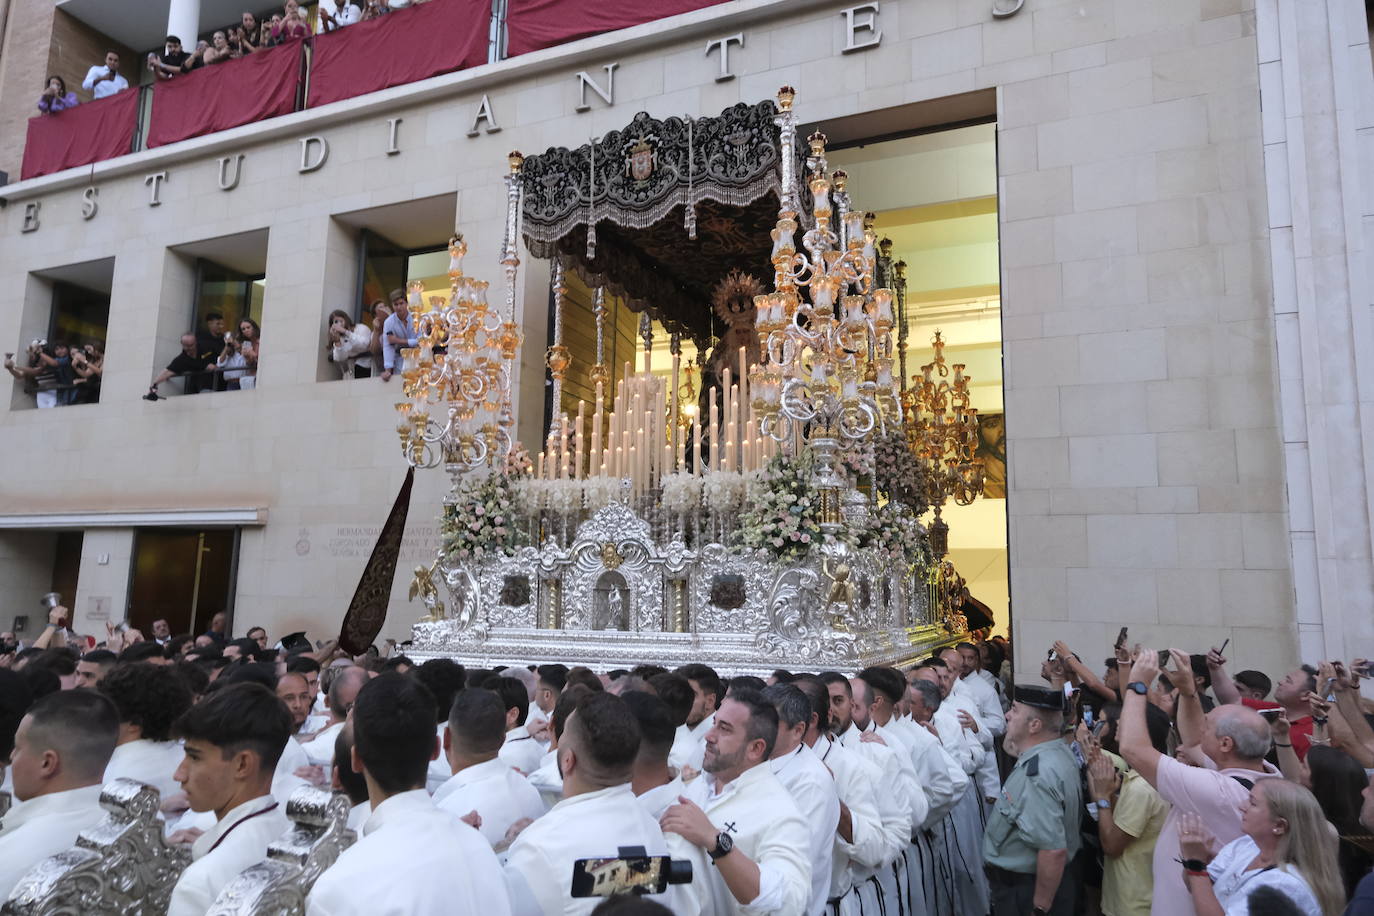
{"x": 741, "y": 829}
{"x": 689, "y": 745}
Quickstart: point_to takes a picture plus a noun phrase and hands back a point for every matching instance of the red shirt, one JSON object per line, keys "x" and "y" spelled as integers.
{"x": 1299, "y": 732}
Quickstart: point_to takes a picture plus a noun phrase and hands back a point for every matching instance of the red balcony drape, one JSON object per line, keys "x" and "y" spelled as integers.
{"x": 220, "y": 96}
{"x": 535, "y": 24}
{"x": 88, "y": 133}
{"x": 404, "y": 46}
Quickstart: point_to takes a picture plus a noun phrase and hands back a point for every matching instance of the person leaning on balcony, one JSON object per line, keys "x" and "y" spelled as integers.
{"x": 55, "y": 96}
{"x": 292, "y": 26}
{"x": 171, "y": 61}
{"x": 336, "y": 14}
{"x": 350, "y": 345}
{"x": 399, "y": 332}
{"x": 373, "y": 9}
{"x": 189, "y": 363}
{"x": 220, "y": 50}
{"x": 103, "y": 80}
{"x": 250, "y": 33}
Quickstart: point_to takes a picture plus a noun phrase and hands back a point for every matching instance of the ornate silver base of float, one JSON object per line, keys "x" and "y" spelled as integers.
{"x": 615, "y": 597}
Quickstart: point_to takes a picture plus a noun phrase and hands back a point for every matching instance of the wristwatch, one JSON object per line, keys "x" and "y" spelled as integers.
{"x": 1104, "y": 803}
{"x": 724, "y": 843}
{"x": 1039, "y": 911}
{"x": 1138, "y": 687}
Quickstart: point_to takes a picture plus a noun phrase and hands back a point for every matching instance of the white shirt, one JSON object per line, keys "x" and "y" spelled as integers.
{"x": 100, "y": 90}
{"x": 238, "y": 840}
{"x": 759, "y": 814}
{"x": 320, "y": 749}
{"x": 521, "y": 751}
{"x": 498, "y": 794}
{"x": 1233, "y": 884}
{"x": 284, "y": 780}
{"x": 856, "y": 781}
{"x": 689, "y": 749}
{"x": 813, "y": 789}
{"x": 894, "y": 807}
{"x": 150, "y": 762}
{"x": 658, "y": 799}
{"x": 358, "y": 815}
{"x": 539, "y": 866}
{"x": 984, "y": 696}
{"x": 311, "y": 725}
{"x": 548, "y": 780}
{"x": 346, "y": 16}
{"x": 439, "y": 770}
{"x": 44, "y": 826}
{"x": 412, "y": 858}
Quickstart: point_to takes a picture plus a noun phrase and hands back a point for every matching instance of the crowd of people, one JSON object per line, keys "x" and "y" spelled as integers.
{"x": 374, "y": 345}
{"x": 214, "y": 359}
{"x": 1159, "y": 784}
{"x": 232, "y": 42}
{"x": 57, "y": 373}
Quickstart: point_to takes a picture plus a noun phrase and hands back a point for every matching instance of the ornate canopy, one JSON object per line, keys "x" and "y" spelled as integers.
{"x": 659, "y": 211}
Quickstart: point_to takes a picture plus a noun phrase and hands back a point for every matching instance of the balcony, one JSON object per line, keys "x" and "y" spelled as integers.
{"x": 407, "y": 45}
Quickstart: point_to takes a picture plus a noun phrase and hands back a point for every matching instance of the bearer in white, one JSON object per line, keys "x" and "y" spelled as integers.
{"x": 412, "y": 857}
{"x": 343, "y": 689}
{"x": 656, "y": 784}
{"x": 60, "y": 751}
{"x": 520, "y": 750}
{"x": 741, "y": 829}
{"x": 481, "y": 781}
{"x": 149, "y": 698}
{"x": 232, "y": 741}
{"x": 598, "y": 814}
{"x": 689, "y": 748}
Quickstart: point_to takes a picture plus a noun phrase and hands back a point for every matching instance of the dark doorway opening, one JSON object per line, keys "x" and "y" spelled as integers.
{"x": 184, "y": 576}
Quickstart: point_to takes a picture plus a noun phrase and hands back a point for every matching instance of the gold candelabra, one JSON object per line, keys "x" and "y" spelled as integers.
{"x": 943, "y": 429}
{"x": 826, "y": 329}
{"x": 461, "y": 366}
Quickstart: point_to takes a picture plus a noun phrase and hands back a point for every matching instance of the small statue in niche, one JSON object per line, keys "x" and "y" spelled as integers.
{"x": 841, "y": 591}
{"x": 611, "y": 603}
{"x": 423, "y": 586}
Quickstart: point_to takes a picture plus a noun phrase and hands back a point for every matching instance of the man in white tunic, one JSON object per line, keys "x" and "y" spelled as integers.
{"x": 945, "y": 784}
{"x": 520, "y": 750}
{"x": 149, "y": 699}
{"x": 481, "y": 781}
{"x": 598, "y": 814}
{"x": 656, "y": 784}
{"x": 412, "y": 857}
{"x": 232, "y": 741}
{"x": 343, "y": 690}
{"x": 741, "y": 829}
{"x": 60, "y": 751}
{"x": 810, "y": 783}
{"x": 689, "y": 748}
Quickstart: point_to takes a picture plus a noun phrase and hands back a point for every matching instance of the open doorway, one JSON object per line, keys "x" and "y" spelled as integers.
{"x": 184, "y": 576}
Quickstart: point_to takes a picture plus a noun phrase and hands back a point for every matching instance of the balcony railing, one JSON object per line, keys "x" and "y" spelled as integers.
{"x": 405, "y": 46}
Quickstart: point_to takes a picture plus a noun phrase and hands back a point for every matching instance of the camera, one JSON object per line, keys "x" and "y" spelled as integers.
{"x": 632, "y": 871}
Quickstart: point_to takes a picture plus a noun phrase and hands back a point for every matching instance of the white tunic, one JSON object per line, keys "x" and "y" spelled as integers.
{"x": 151, "y": 762}
{"x": 660, "y": 798}
{"x": 984, "y": 696}
{"x": 689, "y": 744}
{"x": 548, "y": 780}
{"x": 44, "y": 826}
{"x": 284, "y": 779}
{"x": 813, "y": 789}
{"x": 890, "y": 790}
{"x": 498, "y": 794}
{"x": 320, "y": 749}
{"x": 856, "y": 780}
{"x": 937, "y": 773}
{"x": 539, "y": 866}
{"x": 238, "y": 840}
{"x": 439, "y": 768}
{"x": 521, "y": 751}
{"x": 759, "y": 814}
{"x": 412, "y": 858}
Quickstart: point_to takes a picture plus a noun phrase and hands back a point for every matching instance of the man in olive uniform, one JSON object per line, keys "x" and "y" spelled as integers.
{"x": 1032, "y": 832}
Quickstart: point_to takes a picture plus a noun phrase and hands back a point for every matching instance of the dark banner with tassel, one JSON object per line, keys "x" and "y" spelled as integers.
{"x": 367, "y": 611}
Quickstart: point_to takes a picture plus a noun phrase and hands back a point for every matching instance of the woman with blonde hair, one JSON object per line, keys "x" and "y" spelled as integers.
{"x": 1286, "y": 844}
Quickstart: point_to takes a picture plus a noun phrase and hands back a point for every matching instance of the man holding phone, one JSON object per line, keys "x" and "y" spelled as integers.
{"x": 104, "y": 80}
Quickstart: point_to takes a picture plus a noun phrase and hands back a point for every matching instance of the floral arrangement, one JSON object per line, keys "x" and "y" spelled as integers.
{"x": 598, "y": 492}
{"x": 725, "y": 491}
{"x": 783, "y": 512}
{"x": 681, "y": 492}
{"x": 518, "y": 463}
{"x": 897, "y": 473}
{"x": 895, "y": 534}
{"x": 480, "y": 520}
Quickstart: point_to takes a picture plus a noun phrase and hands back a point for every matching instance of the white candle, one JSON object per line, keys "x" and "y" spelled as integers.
{"x": 580, "y": 442}
{"x": 715, "y": 438}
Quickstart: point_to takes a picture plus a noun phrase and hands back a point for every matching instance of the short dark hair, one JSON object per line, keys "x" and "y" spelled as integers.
{"x": 586, "y": 677}
{"x": 793, "y": 706}
{"x": 249, "y": 632}
{"x": 175, "y": 644}
{"x": 656, "y": 727}
{"x": 396, "y": 662}
{"x": 676, "y": 694}
{"x": 149, "y": 696}
{"x": 240, "y": 717}
{"x": 1199, "y": 665}
{"x": 100, "y": 657}
{"x": 253, "y": 673}
{"x": 303, "y": 664}
{"x": 647, "y": 672}
{"x": 781, "y": 676}
{"x": 568, "y": 701}
{"x": 555, "y": 677}
{"x": 15, "y": 700}
{"x": 195, "y": 676}
{"x": 393, "y": 731}
{"x": 139, "y": 652}
{"x": 819, "y": 695}
{"x": 82, "y": 725}
{"x": 886, "y": 681}
{"x": 763, "y": 718}
{"x": 513, "y": 694}
{"x": 630, "y": 905}
{"x": 444, "y": 677}
{"x": 354, "y": 783}
{"x": 61, "y": 662}
{"x": 706, "y": 679}
{"x": 611, "y": 732}
{"x": 209, "y": 316}
{"x": 477, "y": 721}
{"x": 1255, "y": 680}
{"x": 834, "y": 677}
{"x": 745, "y": 682}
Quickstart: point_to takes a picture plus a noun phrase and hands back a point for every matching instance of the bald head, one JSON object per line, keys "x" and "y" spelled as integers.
{"x": 1246, "y": 729}
{"x": 345, "y": 689}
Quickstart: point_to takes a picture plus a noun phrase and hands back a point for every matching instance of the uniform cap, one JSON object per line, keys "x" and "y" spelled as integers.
{"x": 1039, "y": 697}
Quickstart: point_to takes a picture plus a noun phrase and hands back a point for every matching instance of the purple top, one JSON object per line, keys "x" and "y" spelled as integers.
{"x": 60, "y": 103}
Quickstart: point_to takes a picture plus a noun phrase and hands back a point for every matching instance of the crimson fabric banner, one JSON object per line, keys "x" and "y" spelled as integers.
{"x": 220, "y": 96}
{"x": 90, "y": 132}
{"x": 406, "y": 45}
{"x": 532, "y": 25}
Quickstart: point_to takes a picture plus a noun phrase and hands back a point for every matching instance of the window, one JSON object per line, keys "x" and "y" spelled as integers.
{"x": 60, "y": 357}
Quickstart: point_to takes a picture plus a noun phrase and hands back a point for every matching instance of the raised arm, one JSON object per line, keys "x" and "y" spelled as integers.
{"x": 1084, "y": 674}
{"x": 1133, "y": 736}
{"x": 1222, "y": 686}
{"x": 1189, "y": 712}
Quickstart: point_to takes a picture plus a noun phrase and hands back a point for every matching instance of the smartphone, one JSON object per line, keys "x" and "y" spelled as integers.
{"x": 1164, "y": 658}
{"x": 1120, "y": 638}
{"x": 1222, "y": 650}
{"x": 1362, "y": 670}
{"x": 1271, "y": 714}
{"x": 1088, "y": 716}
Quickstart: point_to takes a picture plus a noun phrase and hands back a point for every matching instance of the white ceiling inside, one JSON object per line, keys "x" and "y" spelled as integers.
{"x": 142, "y": 26}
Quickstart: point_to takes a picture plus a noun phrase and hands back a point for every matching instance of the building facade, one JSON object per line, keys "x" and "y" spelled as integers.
{"x": 1187, "y": 367}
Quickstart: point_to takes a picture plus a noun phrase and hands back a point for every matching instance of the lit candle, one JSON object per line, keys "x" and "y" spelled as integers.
{"x": 580, "y": 444}
{"x": 598, "y": 458}
{"x": 696, "y": 444}
{"x": 672, "y": 414}
{"x": 539, "y": 467}
{"x": 711, "y": 425}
